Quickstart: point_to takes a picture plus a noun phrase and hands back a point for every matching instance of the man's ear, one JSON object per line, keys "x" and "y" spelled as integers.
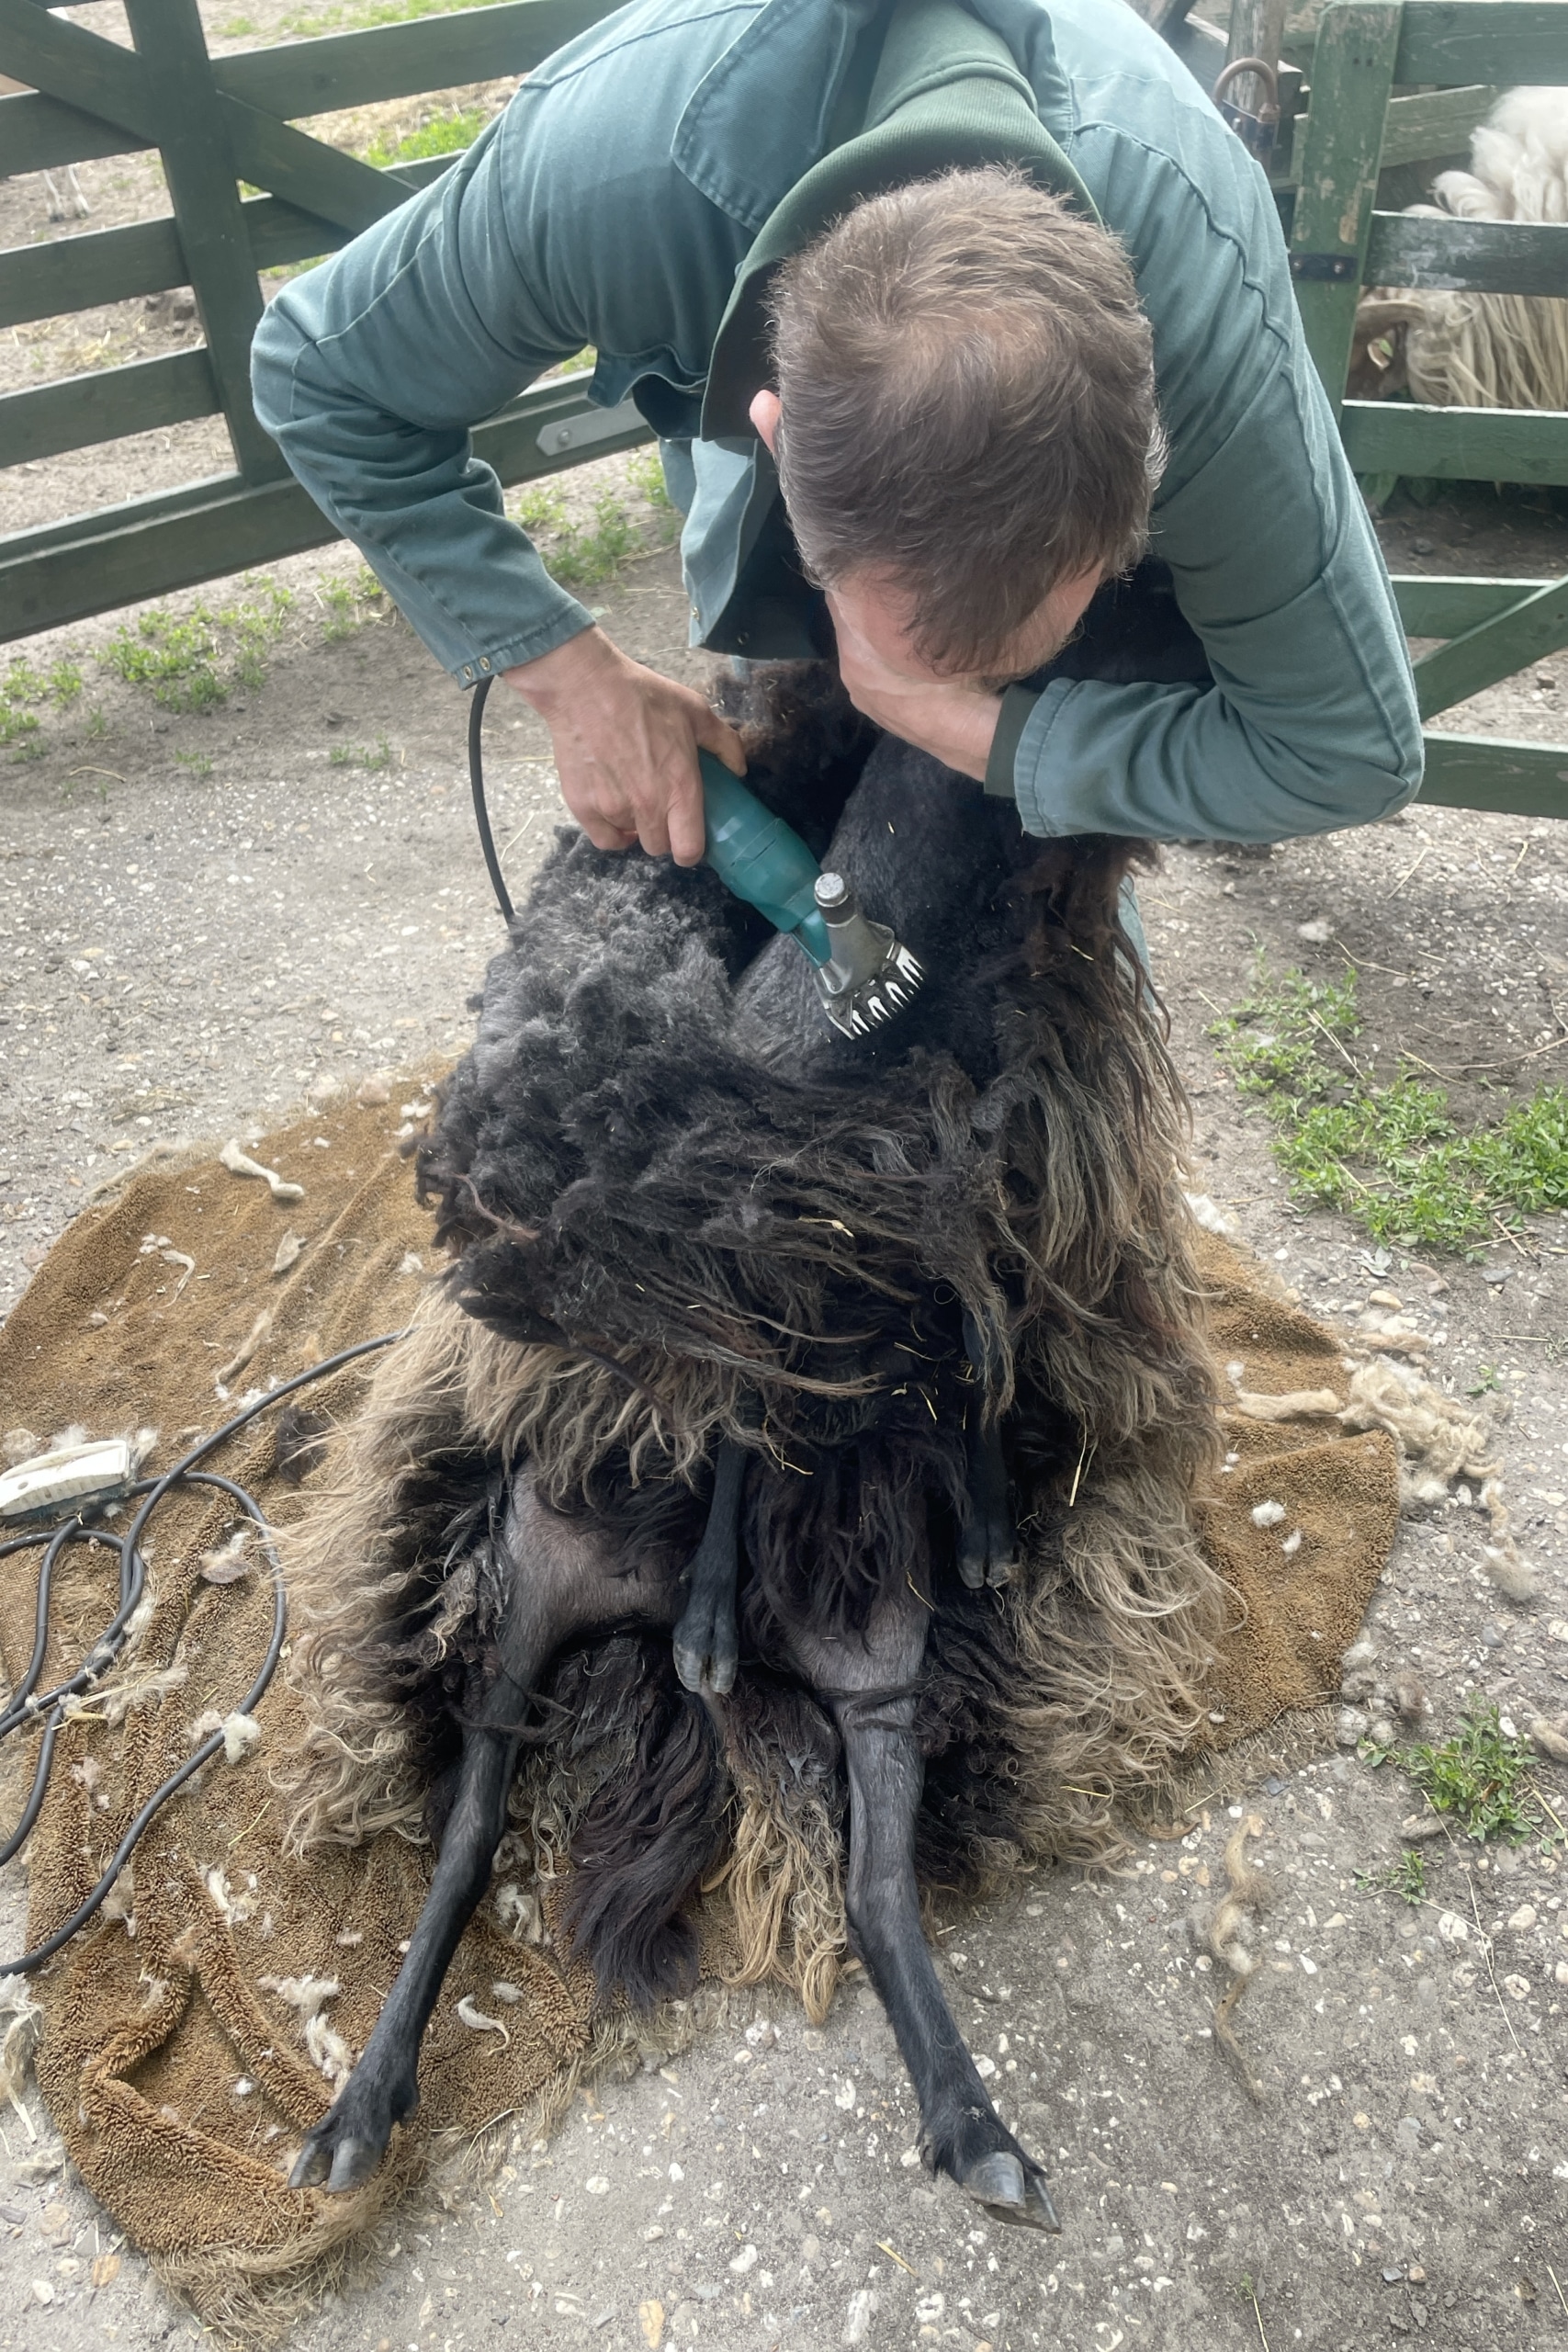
{"x": 764, "y": 413}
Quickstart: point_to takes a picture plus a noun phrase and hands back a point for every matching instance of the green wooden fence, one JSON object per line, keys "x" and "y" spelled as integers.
{"x": 1388, "y": 83}
{"x": 216, "y": 122}
{"x": 1366, "y": 51}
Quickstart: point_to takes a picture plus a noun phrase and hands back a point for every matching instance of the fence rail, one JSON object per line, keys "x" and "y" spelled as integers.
{"x": 221, "y": 122}
{"x": 218, "y": 122}
{"x": 1339, "y": 243}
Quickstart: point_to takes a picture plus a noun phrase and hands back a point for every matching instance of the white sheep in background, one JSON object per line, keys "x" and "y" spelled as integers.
{"x": 1457, "y": 350}
{"x": 1520, "y": 163}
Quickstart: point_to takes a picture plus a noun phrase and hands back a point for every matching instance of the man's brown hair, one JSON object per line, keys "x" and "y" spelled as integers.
{"x": 967, "y": 386}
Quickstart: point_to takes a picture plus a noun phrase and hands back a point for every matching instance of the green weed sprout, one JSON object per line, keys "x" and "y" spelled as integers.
{"x": 355, "y": 16}
{"x": 1480, "y": 1780}
{"x": 443, "y": 134}
{"x": 361, "y": 755}
{"x": 346, "y": 603}
{"x": 1391, "y": 1154}
{"x": 1406, "y": 1878}
{"x": 23, "y": 692}
{"x": 584, "y": 555}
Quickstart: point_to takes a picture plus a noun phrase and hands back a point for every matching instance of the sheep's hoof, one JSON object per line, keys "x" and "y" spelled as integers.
{"x": 350, "y": 2141}
{"x": 972, "y": 2146}
{"x": 708, "y": 1644}
{"x": 1012, "y": 2189}
{"x": 986, "y": 1555}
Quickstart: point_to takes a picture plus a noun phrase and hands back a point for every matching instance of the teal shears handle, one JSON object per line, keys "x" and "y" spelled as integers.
{"x": 758, "y": 857}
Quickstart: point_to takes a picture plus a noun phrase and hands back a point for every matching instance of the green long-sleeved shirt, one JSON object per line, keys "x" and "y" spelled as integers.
{"x": 615, "y": 203}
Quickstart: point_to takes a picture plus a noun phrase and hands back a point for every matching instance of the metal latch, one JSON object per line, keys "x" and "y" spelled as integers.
{"x": 1257, "y": 131}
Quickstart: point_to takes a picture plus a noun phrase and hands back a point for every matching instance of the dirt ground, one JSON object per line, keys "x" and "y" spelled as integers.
{"x": 191, "y": 949}
{"x": 205, "y": 916}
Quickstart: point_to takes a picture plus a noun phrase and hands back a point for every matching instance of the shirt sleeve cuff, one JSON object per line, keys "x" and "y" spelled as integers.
{"x": 568, "y": 621}
{"x": 1017, "y": 702}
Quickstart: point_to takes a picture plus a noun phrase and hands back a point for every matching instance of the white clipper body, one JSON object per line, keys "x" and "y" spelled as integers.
{"x": 95, "y": 1471}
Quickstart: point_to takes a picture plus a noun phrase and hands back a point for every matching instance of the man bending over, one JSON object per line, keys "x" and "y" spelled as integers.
{"x": 943, "y": 314}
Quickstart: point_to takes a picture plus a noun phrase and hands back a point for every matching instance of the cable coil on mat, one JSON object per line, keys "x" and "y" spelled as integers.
{"x": 26, "y": 1706}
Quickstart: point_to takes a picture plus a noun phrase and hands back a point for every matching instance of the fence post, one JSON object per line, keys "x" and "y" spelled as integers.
{"x": 205, "y": 196}
{"x": 1352, "y": 75}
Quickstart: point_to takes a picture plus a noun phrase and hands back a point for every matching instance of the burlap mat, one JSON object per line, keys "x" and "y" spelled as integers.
{"x": 180, "y": 2080}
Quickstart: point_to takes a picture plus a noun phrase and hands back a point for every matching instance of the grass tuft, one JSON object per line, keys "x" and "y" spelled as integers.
{"x": 1389, "y": 1154}
{"x": 361, "y": 755}
{"x": 194, "y": 662}
{"x": 644, "y": 469}
{"x": 354, "y": 15}
{"x": 584, "y": 555}
{"x": 445, "y": 134}
{"x": 347, "y": 603}
{"x": 1480, "y": 1780}
{"x": 23, "y": 692}
{"x": 1406, "y": 1878}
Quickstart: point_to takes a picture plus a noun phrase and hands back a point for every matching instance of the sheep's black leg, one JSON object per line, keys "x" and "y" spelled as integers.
{"x": 348, "y": 2144}
{"x": 560, "y": 1585}
{"x": 867, "y": 1681}
{"x": 707, "y": 1644}
{"x": 989, "y": 1544}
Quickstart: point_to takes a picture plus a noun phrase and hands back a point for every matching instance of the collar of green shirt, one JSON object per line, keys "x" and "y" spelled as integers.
{"x": 946, "y": 92}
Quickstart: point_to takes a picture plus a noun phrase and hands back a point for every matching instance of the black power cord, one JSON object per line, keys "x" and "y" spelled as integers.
{"x": 481, "y": 813}
{"x": 26, "y": 1707}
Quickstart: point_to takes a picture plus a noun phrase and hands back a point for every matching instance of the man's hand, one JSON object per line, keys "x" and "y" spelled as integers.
{"x": 954, "y": 721}
{"x": 626, "y": 744}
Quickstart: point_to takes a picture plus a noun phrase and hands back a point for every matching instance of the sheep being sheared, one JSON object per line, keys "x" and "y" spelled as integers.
{"x": 1459, "y": 350}
{"x": 729, "y": 1284}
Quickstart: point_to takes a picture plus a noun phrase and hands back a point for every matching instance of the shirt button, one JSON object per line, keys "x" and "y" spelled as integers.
{"x": 468, "y": 669}
{"x": 484, "y": 663}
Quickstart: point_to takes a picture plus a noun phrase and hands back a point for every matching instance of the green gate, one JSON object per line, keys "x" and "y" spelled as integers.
{"x": 1388, "y": 83}
{"x": 1435, "y": 52}
{"x": 218, "y": 121}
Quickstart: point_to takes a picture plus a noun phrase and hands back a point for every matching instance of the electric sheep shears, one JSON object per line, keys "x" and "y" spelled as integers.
{"x": 863, "y": 975}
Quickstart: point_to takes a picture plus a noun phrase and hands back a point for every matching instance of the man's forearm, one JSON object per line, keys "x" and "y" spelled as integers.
{"x": 426, "y": 514}
{"x": 368, "y": 372}
{"x": 1174, "y": 763}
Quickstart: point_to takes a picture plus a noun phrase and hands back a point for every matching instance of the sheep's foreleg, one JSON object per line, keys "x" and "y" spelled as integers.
{"x": 561, "y": 1586}
{"x": 990, "y": 1542}
{"x": 708, "y": 1644}
{"x": 868, "y": 1682}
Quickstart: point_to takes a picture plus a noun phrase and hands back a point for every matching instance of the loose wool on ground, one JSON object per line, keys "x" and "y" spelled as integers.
{"x": 188, "y": 2041}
